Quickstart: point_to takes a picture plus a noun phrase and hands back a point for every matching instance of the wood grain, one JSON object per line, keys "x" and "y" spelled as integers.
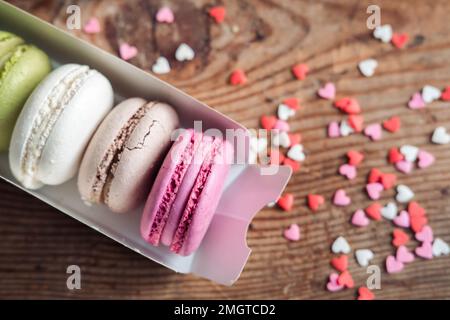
{"x": 37, "y": 242}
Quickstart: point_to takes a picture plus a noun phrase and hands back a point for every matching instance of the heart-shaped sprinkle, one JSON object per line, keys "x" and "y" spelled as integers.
{"x": 425, "y": 251}
{"x": 285, "y": 112}
{"x": 415, "y": 210}
{"x": 354, "y": 158}
{"x": 345, "y": 129}
{"x": 315, "y": 201}
{"x": 426, "y": 159}
{"x": 445, "y": 96}
{"x": 161, "y": 66}
{"x": 388, "y": 180}
{"x": 333, "y": 130}
{"x": 374, "y": 175}
{"x": 374, "y": 190}
{"x": 127, "y": 51}
{"x": 404, "y": 194}
{"x": 392, "y": 124}
{"x": 367, "y": 67}
{"x": 238, "y": 77}
{"x": 281, "y": 125}
{"x": 409, "y": 152}
{"x": 340, "y": 263}
{"x": 363, "y": 257}
{"x": 340, "y": 245}
{"x": 165, "y": 14}
{"x": 184, "y": 53}
{"x": 281, "y": 139}
{"x": 393, "y": 266}
{"x": 92, "y": 26}
{"x": 276, "y": 157}
{"x": 292, "y": 233}
{"x": 295, "y": 166}
{"x": 300, "y": 71}
{"x": 356, "y": 121}
{"x": 365, "y": 294}
{"x": 348, "y": 171}
{"x": 416, "y": 101}
{"x": 345, "y": 279}
{"x": 440, "y": 248}
{"x": 374, "y": 211}
{"x": 292, "y": 103}
{"x": 217, "y": 13}
{"x": 261, "y": 146}
{"x": 348, "y": 105}
{"x": 440, "y": 136}
{"x": 389, "y": 211}
{"x": 383, "y": 33}
{"x": 373, "y": 131}
{"x": 333, "y": 285}
{"x": 294, "y": 138}
{"x": 404, "y": 166}
{"x": 400, "y": 238}
{"x": 268, "y": 122}
{"x": 425, "y": 235}
{"x": 395, "y": 155}
{"x": 417, "y": 216}
{"x": 399, "y": 40}
{"x": 296, "y": 153}
{"x": 403, "y": 255}
{"x": 402, "y": 220}
{"x": 360, "y": 219}
{"x": 430, "y": 93}
{"x": 328, "y": 91}
{"x": 341, "y": 199}
{"x": 286, "y": 201}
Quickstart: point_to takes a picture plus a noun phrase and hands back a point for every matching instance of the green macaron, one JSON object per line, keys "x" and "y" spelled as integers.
{"x": 22, "y": 67}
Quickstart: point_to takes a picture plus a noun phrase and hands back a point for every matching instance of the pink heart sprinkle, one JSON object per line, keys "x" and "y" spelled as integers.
{"x": 341, "y": 199}
{"x": 282, "y": 125}
{"x": 333, "y": 284}
{"x": 416, "y": 101}
{"x": 328, "y": 91}
{"x": 425, "y": 250}
{"x": 348, "y": 171}
{"x": 426, "y": 159}
{"x": 292, "y": 233}
{"x": 402, "y": 220}
{"x": 374, "y": 190}
{"x": 165, "y": 14}
{"x": 373, "y": 131}
{"x": 92, "y": 26}
{"x": 403, "y": 255}
{"x": 393, "y": 266}
{"x": 333, "y": 130}
{"x": 360, "y": 219}
{"x": 404, "y": 166}
{"x": 127, "y": 52}
{"x": 425, "y": 235}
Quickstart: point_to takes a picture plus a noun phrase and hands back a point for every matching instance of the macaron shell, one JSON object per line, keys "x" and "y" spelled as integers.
{"x": 7, "y": 42}
{"x": 145, "y": 149}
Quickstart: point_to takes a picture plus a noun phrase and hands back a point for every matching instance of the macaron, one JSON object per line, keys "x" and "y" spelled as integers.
{"x": 186, "y": 192}
{"x": 122, "y": 159}
{"x": 22, "y": 67}
{"x": 56, "y": 124}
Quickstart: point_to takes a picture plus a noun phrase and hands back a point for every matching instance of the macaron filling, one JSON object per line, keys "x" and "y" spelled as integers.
{"x": 11, "y": 61}
{"x": 51, "y": 109}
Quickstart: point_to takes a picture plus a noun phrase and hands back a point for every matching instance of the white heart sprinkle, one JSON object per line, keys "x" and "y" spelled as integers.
{"x": 367, "y": 67}
{"x": 262, "y": 145}
{"x": 440, "y": 136}
{"x": 440, "y": 248}
{"x": 296, "y": 153}
{"x": 184, "y": 53}
{"x": 410, "y": 152}
{"x": 383, "y": 33}
{"x": 161, "y": 66}
{"x": 404, "y": 194}
{"x": 281, "y": 139}
{"x": 345, "y": 129}
{"x": 363, "y": 257}
{"x": 430, "y": 93}
{"x": 340, "y": 245}
{"x": 284, "y": 112}
{"x": 389, "y": 211}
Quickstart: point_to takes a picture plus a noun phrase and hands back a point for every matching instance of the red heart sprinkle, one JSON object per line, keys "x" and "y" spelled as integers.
{"x": 417, "y": 222}
{"x": 238, "y": 77}
{"x": 286, "y": 201}
{"x": 292, "y": 103}
{"x": 340, "y": 263}
{"x": 374, "y": 175}
{"x": 295, "y": 138}
{"x": 295, "y": 166}
{"x": 400, "y": 39}
{"x": 445, "y": 95}
{"x": 365, "y": 294}
{"x": 356, "y": 121}
{"x": 276, "y": 157}
{"x": 300, "y": 70}
{"x": 268, "y": 122}
{"x": 218, "y": 13}
{"x": 374, "y": 211}
{"x": 395, "y": 155}
{"x": 392, "y": 124}
{"x": 388, "y": 180}
{"x": 354, "y": 158}
{"x": 400, "y": 238}
{"x": 345, "y": 279}
{"x": 414, "y": 209}
{"x": 348, "y": 105}
{"x": 315, "y": 201}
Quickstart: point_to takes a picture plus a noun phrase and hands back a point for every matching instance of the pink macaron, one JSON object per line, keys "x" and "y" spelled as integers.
{"x": 186, "y": 192}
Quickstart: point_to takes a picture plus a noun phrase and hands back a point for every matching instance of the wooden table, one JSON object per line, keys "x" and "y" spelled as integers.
{"x": 37, "y": 242}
